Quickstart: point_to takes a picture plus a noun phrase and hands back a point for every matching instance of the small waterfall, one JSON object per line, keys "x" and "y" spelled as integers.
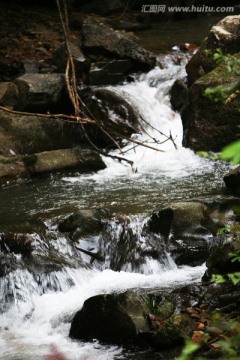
{"x": 37, "y": 309}
{"x": 161, "y": 129}
{"x": 126, "y": 248}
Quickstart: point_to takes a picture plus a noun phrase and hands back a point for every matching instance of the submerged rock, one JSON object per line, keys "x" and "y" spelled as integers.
{"x": 182, "y": 228}
{"x": 85, "y": 220}
{"x": 17, "y": 243}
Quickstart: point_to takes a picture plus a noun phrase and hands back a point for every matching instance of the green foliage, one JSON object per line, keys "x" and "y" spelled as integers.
{"x": 151, "y": 304}
{"x": 220, "y": 93}
{"x": 232, "y": 152}
{"x": 188, "y": 350}
{"x": 216, "y": 94}
{"x": 209, "y": 155}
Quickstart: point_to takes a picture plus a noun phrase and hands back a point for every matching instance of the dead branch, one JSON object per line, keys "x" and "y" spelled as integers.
{"x": 141, "y": 143}
{"x": 63, "y": 117}
{"x": 102, "y": 152}
{"x": 95, "y": 256}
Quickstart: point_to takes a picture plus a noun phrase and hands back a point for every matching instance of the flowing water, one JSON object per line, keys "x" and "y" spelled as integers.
{"x": 43, "y": 307}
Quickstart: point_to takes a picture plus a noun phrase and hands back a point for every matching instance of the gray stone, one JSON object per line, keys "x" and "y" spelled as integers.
{"x": 100, "y": 39}
{"x": 63, "y": 159}
{"x": 41, "y": 92}
{"x": 81, "y": 63}
{"x": 211, "y": 125}
{"x": 8, "y": 95}
{"x": 109, "y": 72}
{"x": 225, "y": 35}
{"x": 112, "y": 112}
{"x": 11, "y": 169}
{"x": 24, "y": 134}
{"x": 179, "y": 94}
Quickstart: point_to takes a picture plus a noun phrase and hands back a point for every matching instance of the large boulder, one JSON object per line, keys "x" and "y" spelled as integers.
{"x": 182, "y": 227}
{"x": 211, "y": 125}
{"x": 220, "y": 259}
{"x": 225, "y": 36}
{"x": 24, "y": 134}
{"x": 115, "y": 318}
{"x": 25, "y": 166}
{"x": 63, "y": 159}
{"x": 112, "y": 113}
{"x": 41, "y": 92}
{"x": 87, "y": 221}
{"x": 101, "y": 40}
{"x": 81, "y": 63}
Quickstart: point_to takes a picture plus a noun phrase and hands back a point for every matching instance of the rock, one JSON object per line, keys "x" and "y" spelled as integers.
{"x": 182, "y": 226}
{"x": 173, "y": 331}
{"x": 179, "y": 94}
{"x": 15, "y": 167}
{"x": 204, "y": 120}
{"x": 112, "y": 112}
{"x": 8, "y": 95}
{"x": 64, "y": 159}
{"x": 109, "y": 72}
{"x": 81, "y": 63}
{"x": 9, "y": 70}
{"x": 161, "y": 222}
{"x": 115, "y": 318}
{"x": 85, "y": 220}
{"x": 224, "y": 36}
{"x": 17, "y": 243}
{"x": 11, "y": 169}
{"x": 41, "y": 92}
{"x": 232, "y": 180}
{"x": 31, "y": 134}
{"x": 220, "y": 261}
{"x": 100, "y": 39}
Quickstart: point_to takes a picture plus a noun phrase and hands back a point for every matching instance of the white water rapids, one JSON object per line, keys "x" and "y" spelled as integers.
{"x": 35, "y": 322}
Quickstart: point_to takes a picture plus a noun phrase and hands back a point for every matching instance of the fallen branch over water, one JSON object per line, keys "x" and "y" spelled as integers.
{"x": 64, "y": 117}
{"x": 95, "y": 256}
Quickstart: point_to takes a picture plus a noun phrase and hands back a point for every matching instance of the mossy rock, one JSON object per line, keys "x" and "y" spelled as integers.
{"x": 210, "y": 125}
{"x": 173, "y": 331}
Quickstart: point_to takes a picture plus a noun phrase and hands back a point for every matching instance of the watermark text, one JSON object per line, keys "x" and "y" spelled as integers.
{"x": 185, "y": 9}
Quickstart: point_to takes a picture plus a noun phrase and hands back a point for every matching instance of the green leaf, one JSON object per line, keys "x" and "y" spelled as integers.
{"x": 235, "y": 278}
{"x": 218, "y": 279}
{"x": 232, "y": 152}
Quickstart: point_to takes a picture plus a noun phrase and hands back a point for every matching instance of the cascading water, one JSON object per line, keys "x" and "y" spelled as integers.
{"x": 40, "y": 315}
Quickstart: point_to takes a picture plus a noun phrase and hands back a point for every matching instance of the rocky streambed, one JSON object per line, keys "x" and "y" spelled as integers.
{"x": 94, "y": 248}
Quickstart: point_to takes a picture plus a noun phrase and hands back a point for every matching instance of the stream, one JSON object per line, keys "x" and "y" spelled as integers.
{"x": 43, "y": 307}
